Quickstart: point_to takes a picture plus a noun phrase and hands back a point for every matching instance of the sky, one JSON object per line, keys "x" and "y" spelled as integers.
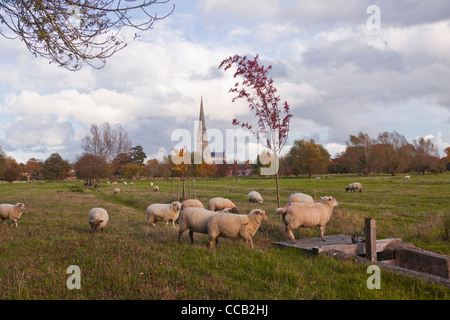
{"x": 342, "y": 66}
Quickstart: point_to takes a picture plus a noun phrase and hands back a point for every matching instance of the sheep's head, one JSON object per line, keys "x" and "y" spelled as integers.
{"x": 96, "y": 224}
{"x": 260, "y": 214}
{"x": 21, "y": 206}
{"x": 176, "y": 206}
{"x": 331, "y": 201}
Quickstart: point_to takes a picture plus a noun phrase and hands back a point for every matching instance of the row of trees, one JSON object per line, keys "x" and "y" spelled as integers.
{"x": 107, "y": 152}
{"x": 389, "y": 153}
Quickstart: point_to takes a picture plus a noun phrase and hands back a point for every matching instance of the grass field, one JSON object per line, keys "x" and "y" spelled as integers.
{"x": 132, "y": 260}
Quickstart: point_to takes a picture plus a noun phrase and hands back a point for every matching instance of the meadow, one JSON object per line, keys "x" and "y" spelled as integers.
{"x": 133, "y": 260}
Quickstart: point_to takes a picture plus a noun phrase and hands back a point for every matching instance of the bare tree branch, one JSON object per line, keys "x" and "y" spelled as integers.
{"x": 73, "y": 33}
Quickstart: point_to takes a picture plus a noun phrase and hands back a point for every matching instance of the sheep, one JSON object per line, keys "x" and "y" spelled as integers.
{"x": 354, "y": 186}
{"x": 115, "y": 183}
{"x": 12, "y": 212}
{"x": 307, "y": 215}
{"x": 191, "y": 203}
{"x": 318, "y": 179}
{"x": 406, "y": 177}
{"x": 195, "y": 219}
{"x": 108, "y": 182}
{"x": 218, "y": 204}
{"x": 125, "y": 183}
{"x": 233, "y": 226}
{"x": 163, "y": 212}
{"x": 98, "y": 218}
{"x": 155, "y": 189}
{"x": 300, "y": 198}
{"x": 254, "y": 196}
{"x": 116, "y": 191}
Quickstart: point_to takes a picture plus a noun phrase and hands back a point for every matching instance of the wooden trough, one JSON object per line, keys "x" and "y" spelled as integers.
{"x": 392, "y": 254}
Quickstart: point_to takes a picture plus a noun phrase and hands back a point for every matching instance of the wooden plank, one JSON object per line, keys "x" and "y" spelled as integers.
{"x": 370, "y": 235}
{"x": 355, "y": 248}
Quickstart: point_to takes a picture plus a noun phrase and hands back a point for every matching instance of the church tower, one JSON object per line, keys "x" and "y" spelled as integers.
{"x": 202, "y": 138}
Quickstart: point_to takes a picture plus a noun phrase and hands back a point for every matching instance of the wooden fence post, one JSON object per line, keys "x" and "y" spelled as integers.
{"x": 370, "y": 235}
{"x": 193, "y": 187}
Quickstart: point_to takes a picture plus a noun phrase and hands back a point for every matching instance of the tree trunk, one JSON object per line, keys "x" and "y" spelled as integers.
{"x": 278, "y": 189}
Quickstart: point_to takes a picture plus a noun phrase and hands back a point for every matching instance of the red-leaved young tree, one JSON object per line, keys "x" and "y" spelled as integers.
{"x": 273, "y": 119}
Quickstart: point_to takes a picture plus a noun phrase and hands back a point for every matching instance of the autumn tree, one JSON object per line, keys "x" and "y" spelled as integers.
{"x": 258, "y": 90}
{"x": 55, "y": 167}
{"x": 181, "y": 159}
{"x": 33, "y": 167}
{"x": 308, "y": 157}
{"x": 73, "y": 33}
{"x": 358, "y": 155}
{"x": 426, "y": 155}
{"x": 91, "y": 167}
{"x": 2, "y": 163}
{"x": 119, "y": 161}
{"x": 398, "y": 152}
{"x": 106, "y": 142}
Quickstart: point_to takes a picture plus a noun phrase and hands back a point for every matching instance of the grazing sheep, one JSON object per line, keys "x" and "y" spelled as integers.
{"x": 354, "y": 186}
{"x": 318, "y": 179}
{"x": 116, "y": 191}
{"x": 98, "y": 218}
{"x": 125, "y": 183}
{"x": 300, "y": 198}
{"x": 163, "y": 212}
{"x": 191, "y": 203}
{"x": 12, "y": 212}
{"x": 254, "y": 196}
{"x": 131, "y": 183}
{"x": 108, "y": 182}
{"x": 233, "y": 226}
{"x": 307, "y": 215}
{"x": 218, "y": 204}
{"x": 155, "y": 189}
{"x": 406, "y": 177}
{"x": 195, "y": 219}
{"x": 114, "y": 183}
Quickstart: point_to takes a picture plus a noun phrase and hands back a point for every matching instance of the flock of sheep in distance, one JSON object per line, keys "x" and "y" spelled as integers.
{"x": 221, "y": 218}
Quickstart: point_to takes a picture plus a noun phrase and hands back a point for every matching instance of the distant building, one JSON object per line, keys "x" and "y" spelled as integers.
{"x": 217, "y": 157}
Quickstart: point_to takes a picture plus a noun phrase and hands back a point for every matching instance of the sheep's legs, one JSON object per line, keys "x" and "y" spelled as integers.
{"x": 291, "y": 235}
{"x": 212, "y": 242}
{"x": 322, "y": 229}
{"x": 191, "y": 235}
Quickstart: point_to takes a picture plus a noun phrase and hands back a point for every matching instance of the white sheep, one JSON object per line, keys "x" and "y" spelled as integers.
{"x": 191, "y": 203}
{"x": 406, "y": 177}
{"x": 114, "y": 183}
{"x": 125, "y": 183}
{"x": 307, "y": 215}
{"x": 12, "y": 212}
{"x": 254, "y": 196}
{"x": 300, "y": 198}
{"x": 218, "y": 204}
{"x": 354, "y": 186}
{"x": 233, "y": 226}
{"x": 98, "y": 218}
{"x": 194, "y": 219}
{"x": 155, "y": 189}
{"x": 116, "y": 191}
{"x": 163, "y": 212}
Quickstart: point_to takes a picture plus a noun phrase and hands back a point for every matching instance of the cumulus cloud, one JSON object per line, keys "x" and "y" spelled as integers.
{"x": 338, "y": 76}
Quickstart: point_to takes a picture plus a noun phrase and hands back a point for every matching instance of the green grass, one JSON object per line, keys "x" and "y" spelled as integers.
{"x": 132, "y": 260}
